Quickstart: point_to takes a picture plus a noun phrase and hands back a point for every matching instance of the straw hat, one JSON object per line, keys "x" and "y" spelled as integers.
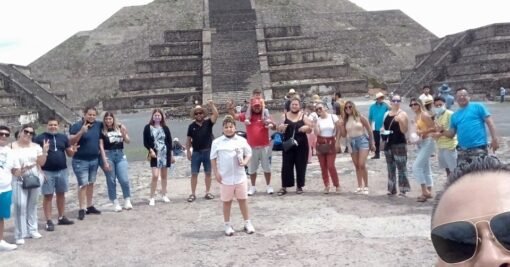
{"x": 379, "y": 95}
{"x": 195, "y": 109}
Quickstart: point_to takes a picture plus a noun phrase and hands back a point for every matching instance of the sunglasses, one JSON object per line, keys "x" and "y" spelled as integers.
{"x": 318, "y": 109}
{"x": 458, "y": 241}
{"x": 4, "y": 134}
{"x": 27, "y": 132}
{"x": 348, "y": 107}
{"x": 413, "y": 104}
{"x": 396, "y": 100}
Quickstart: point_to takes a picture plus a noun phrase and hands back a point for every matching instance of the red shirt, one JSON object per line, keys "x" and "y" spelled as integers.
{"x": 257, "y": 133}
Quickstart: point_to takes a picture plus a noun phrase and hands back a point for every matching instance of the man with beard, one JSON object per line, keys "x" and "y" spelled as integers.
{"x": 200, "y": 137}
{"x": 258, "y": 139}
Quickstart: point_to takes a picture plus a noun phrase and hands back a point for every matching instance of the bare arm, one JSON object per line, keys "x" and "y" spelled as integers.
{"x": 41, "y": 159}
{"x": 367, "y": 126}
{"x": 403, "y": 121}
{"x": 215, "y": 114}
{"x": 125, "y": 135}
{"x": 75, "y": 138}
{"x": 231, "y": 110}
{"x": 102, "y": 152}
{"x": 492, "y": 131}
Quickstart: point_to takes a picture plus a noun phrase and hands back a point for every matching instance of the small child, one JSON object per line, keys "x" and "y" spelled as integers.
{"x": 256, "y": 96}
{"x": 229, "y": 154}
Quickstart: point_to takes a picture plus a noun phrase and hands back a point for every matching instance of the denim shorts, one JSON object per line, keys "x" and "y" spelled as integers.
{"x": 85, "y": 171}
{"x": 198, "y": 158}
{"x": 359, "y": 143}
{"x": 5, "y": 205}
{"x": 55, "y": 182}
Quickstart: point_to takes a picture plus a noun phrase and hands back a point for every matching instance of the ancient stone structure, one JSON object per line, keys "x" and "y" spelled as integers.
{"x": 219, "y": 49}
{"x": 25, "y": 100}
{"x": 477, "y": 59}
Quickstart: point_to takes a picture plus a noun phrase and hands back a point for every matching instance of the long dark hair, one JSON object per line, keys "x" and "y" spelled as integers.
{"x": 157, "y": 110}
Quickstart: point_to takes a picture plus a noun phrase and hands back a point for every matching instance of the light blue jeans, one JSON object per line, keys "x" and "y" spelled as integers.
{"x": 119, "y": 170}
{"x": 421, "y": 166}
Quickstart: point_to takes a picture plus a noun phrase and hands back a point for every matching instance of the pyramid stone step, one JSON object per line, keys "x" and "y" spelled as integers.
{"x": 176, "y": 49}
{"x": 282, "y": 31}
{"x": 183, "y": 36}
{"x": 144, "y": 82}
{"x": 478, "y": 58}
{"x": 297, "y": 56}
{"x": 314, "y": 70}
{"x": 163, "y": 65}
{"x": 152, "y": 101}
{"x": 349, "y": 87}
{"x": 481, "y": 67}
{"x": 495, "y": 47}
{"x": 290, "y": 43}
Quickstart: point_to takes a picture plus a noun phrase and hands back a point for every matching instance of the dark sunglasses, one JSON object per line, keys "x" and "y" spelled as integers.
{"x": 396, "y": 100}
{"x": 348, "y": 107}
{"x": 413, "y": 104}
{"x": 5, "y": 134}
{"x": 458, "y": 242}
{"x": 318, "y": 109}
{"x": 199, "y": 113}
{"x": 27, "y": 132}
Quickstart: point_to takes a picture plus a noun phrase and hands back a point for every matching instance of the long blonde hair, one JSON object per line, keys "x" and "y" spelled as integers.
{"x": 354, "y": 111}
{"x": 116, "y": 125}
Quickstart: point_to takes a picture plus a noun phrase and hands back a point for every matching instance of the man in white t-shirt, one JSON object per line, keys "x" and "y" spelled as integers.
{"x": 7, "y": 164}
{"x": 426, "y": 96}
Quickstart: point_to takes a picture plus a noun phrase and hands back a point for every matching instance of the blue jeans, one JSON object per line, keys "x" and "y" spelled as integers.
{"x": 421, "y": 165}
{"x": 201, "y": 157}
{"x": 119, "y": 170}
{"x": 85, "y": 171}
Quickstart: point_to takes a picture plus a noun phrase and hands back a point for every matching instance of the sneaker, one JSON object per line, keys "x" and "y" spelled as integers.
{"x": 269, "y": 190}
{"x": 116, "y": 206}
{"x": 50, "y": 227}
{"x": 252, "y": 190}
{"x": 20, "y": 241}
{"x": 64, "y": 221}
{"x": 35, "y": 235}
{"x": 376, "y": 157}
{"x": 127, "y": 204}
{"x": 93, "y": 210}
{"x": 4, "y": 246}
{"x": 165, "y": 199}
{"x": 229, "y": 231}
{"x": 81, "y": 214}
{"x": 152, "y": 202}
{"x": 358, "y": 191}
{"x": 365, "y": 191}
{"x": 248, "y": 228}
{"x": 299, "y": 191}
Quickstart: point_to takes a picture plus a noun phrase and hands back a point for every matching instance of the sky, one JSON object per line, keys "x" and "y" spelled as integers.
{"x": 30, "y": 28}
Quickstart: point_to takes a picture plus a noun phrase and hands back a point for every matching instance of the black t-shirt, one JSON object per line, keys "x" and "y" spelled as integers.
{"x": 112, "y": 140}
{"x": 56, "y": 159}
{"x": 201, "y": 135}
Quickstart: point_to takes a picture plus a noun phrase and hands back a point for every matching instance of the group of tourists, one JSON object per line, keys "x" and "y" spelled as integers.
{"x": 32, "y": 161}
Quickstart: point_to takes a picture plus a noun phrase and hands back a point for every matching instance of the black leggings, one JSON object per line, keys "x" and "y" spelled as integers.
{"x": 296, "y": 157}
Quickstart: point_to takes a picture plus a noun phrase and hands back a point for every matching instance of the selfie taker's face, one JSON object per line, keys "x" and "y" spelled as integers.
{"x": 229, "y": 129}
{"x": 90, "y": 116}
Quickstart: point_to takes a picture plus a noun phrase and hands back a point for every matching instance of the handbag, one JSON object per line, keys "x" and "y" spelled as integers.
{"x": 30, "y": 181}
{"x": 291, "y": 142}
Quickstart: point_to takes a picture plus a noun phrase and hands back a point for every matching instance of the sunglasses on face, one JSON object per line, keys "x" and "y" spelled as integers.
{"x": 458, "y": 241}
{"x": 348, "y": 107}
{"x": 4, "y": 134}
{"x": 395, "y": 100}
{"x": 27, "y": 132}
{"x": 413, "y": 104}
{"x": 199, "y": 113}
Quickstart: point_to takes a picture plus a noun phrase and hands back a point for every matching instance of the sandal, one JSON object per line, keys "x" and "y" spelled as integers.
{"x": 191, "y": 198}
{"x": 299, "y": 191}
{"x": 282, "y": 192}
{"x": 209, "y": 196}
{"x": 421, "y": 199}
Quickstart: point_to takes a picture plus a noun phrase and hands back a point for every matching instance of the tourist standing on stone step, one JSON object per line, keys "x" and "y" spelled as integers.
{"x": 157, "y": 139}
{"x": 256, "y": 96}
{"x": 229, "y": 155}
{"x": 426, "y": 96}
{"x": 113, "y": 160}
{"x": 468, "y": 122}
{"x": 295, "y": 126}
{"x": 447, "y": 146}
{"x": 85, "y": 134}
{"x": 376, "y": 117}
{"x": 7, "y": 165}
{"x": 393, "y": 134}
{"x": 258, "y": 139}
{"x": 56, "y": 175}
{"x": 357, "y": 130}
{"x": 421, "y": 167}
{"x": 30, "y": 157}
{"x": 327, "y": 130}
{"x": 200, "y": 138}
{"x": 502, "y": 93}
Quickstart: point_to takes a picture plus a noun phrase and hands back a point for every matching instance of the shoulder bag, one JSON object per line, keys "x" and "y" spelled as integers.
{"x": 30, "y": 181}
{"x": 291, "y": 142}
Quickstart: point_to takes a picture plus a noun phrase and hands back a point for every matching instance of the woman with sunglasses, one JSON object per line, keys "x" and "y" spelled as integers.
{"x": 297, "y": 125}
{"x": 393, "y": 133}
{"x": 30, "y": 157}
{"x": 421, "y": 167}
{"x": 472, "y": 230}
{"x": 158, "y": 141}
{"x": 114, "y": 161}
{"x": 327, "y": 129}
{"x": 361, "y": 139}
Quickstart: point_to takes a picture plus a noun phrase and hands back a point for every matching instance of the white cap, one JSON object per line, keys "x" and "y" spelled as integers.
{"x": 176, "y": 139}
{"x": 292, "y": 91}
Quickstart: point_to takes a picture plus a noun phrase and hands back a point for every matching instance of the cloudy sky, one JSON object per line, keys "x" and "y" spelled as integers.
{"x": 30, "y": 28}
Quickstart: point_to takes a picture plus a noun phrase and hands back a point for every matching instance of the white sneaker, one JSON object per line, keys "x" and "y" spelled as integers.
{"x": 35, "y": 235}
{"x": 116, "y": 206}
{"x": 127, "y": 204}
{"x": 365, "y": 190}
{"x": 358, "y": 191}
{"x": 229, "y": 231}
{"x": 165, "y": 199}
{"x": 252, "y": 190}
{"x": 248, "y": 228}
{"x": 4, "y": 246}
{"x": 20, "y": 241}
{"x": 152, "y": 202}
{"x": 269, "y": 190}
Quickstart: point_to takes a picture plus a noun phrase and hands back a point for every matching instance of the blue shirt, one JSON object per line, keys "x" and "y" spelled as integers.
{"x": 469, "y": 123}
{"x": 56, "y": 159}
{"x": 89, "y": 142}
{"x": 376, "y": 115}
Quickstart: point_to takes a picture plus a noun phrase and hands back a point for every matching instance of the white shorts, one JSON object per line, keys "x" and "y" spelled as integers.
{"x": 447, "y": 158}
{"x": 260, "y": 155}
